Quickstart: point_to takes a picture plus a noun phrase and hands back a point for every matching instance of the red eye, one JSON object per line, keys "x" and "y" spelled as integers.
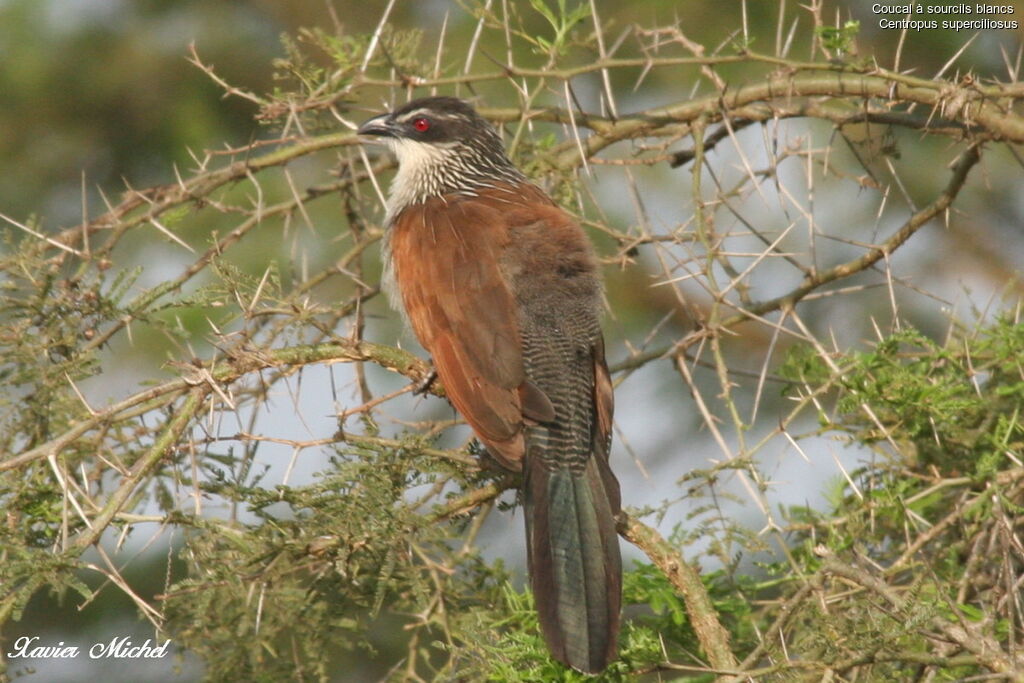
{"x": 421, "y": 124}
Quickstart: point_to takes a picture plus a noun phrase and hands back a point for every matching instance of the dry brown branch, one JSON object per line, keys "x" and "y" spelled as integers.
{"x": 713, "y": 637}
{"x": 227, "y": 372}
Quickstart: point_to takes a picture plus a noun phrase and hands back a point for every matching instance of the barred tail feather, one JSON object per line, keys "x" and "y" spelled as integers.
{"x": 574, "y": 562}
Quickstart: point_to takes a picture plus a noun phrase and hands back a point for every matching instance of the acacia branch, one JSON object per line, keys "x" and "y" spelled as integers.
{"x": 987, "y": 651}
{"x": 955, "y": 108}
{"x": 226, "y": 372}
{"x": 840, "y": 116}
{"x": 157, "y": 200}
{"x": 141, "y": 470}
{"x": 950, "y": 104}
{"x": 648, "y": 63}
{"x": 713, "y": 637}
{"x": 817, "y": 279}
{"x": 919, "y": 219}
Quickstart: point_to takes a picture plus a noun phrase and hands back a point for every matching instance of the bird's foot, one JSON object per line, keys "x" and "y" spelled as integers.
{"x": 423, "y": 386}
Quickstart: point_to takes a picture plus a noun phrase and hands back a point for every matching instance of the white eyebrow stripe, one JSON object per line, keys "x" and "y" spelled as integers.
{"x": 412, "y": 114}
{"x": 425, "y": 111}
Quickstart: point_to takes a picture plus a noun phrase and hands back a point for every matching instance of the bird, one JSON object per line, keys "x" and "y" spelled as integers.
{"x": 501, "y": 287}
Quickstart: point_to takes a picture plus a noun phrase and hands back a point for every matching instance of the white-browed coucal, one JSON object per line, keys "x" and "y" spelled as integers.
{"x": 501, "y": 287}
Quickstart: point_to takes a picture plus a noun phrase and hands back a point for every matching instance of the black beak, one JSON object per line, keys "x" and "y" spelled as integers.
{"x": 378, "y": 125}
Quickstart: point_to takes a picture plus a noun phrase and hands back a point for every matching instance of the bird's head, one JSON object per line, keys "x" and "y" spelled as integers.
{"x": 443, "y": 145}
{"x": 436, "y": 121}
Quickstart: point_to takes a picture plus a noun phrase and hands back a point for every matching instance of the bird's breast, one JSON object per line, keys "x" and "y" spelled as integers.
{"x": 389, "y": 279}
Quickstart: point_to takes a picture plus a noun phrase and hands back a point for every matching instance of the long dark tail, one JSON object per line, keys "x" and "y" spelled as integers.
{"x": 574, "y": 562}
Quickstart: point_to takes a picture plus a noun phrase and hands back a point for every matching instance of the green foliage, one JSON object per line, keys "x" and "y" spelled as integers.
{"x": 839, "y": 39}
{"x": 561, "y": 22}
{"x": 50, "y": 320}
{"x": 300, "y": 584}
{"x": 553, "y": 41}
{"x": 502, "y": 640}
{"x": 954, "y": 407}
{"x": 318, "y": 63}
{"x": 26, "y": 570}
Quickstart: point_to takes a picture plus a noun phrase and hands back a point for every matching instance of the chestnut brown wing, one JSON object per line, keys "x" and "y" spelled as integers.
{"x": 446, "y": 254}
